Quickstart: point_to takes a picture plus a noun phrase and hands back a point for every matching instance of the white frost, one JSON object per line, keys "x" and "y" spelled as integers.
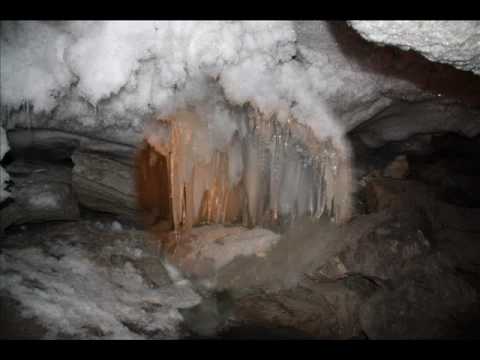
{"x": 132, "y": 68}
{"x": 44, "y": 201}
{"x": 71, "y": 294}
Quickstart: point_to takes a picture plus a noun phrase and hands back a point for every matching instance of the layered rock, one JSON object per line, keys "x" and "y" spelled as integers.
{"x": 103, "y": 183}
{"x": 403, "y": 120}
{"x": 59, "y": 145}
{"x": 42, "y": 192}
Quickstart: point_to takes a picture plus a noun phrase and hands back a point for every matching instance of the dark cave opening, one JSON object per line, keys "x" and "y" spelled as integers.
{"x": 446, "y": 162}
{"x": 152, "y": 183}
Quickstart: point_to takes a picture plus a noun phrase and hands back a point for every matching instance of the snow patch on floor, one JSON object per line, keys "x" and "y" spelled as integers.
{"x": 65, "y": 287}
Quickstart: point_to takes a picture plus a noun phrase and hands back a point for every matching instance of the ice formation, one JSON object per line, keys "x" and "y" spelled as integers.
{"x": 288, "y": 158}
{"x": 129, "y": 69}
{"x": 265, "y": 172}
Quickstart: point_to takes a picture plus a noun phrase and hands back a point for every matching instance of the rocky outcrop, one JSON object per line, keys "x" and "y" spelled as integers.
{"x": 105, "y": 184}
{"x": 385, "y": 252}
{"x": 427, "y": 301}
{"x": 451, "y": 42}
{"x": 322, "y": 310}
{"x": 60, "y": 145}
{"x": 403, "y": 120}
{"x": 42, "y": 192}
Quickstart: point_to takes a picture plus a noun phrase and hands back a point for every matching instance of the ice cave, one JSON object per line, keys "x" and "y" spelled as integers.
{"x": 239, "y": 180}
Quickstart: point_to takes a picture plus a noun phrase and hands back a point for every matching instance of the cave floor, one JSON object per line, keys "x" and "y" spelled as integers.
{"x": 409, "y": 269}
{"x": 88, "y": 279}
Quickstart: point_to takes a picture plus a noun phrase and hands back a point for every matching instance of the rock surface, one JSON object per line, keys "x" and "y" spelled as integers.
{"x": 105, "y": 184}
{"x": 60, "y": 145}
{"x": 452, "y": 42}
{"x": 385, "y": 252}
{"x": 4, "y": 177}
{"x": 403, "y": 120}
{"x": 41, "y": 192}
{"x": 428, "y": 301}
{"x": 398, "y": 168}
{"x": 204, "y": 251}
{"x": 322, "y": 310}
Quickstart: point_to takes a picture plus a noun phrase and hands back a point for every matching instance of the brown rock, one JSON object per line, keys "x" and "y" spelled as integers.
{"x": 398, "y": 168}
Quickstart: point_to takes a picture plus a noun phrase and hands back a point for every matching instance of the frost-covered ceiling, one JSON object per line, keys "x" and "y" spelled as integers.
{"x": 86, "y": 76}
{"x": 135, "y": 68}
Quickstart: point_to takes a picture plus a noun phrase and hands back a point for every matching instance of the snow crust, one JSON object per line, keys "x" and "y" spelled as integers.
{"x": 63, "y": 284}
{"x": 130, "y": 69}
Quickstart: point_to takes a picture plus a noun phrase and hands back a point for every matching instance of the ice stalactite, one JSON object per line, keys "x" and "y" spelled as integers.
{"x": 263, "y": 173}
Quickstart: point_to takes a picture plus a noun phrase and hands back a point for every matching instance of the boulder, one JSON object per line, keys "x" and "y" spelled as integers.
{"x": 428, "y": 301}
{"x": 325, "y": 310}
{"x": 386, "y": 251}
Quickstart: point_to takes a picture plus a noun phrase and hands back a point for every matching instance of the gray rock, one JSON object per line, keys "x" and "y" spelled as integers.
{"x": 104, "y": 184}
{"x": 154, "y": 271}
{"x": 4, "y": 177}
{"x": 452, "y": 42}
{"x": 403, "y": 120}
{"x": 327, "y": 310}
{"x": 41, "y": 192}
{"x": 59, "y": 145}
{"x": 386, "y": 251}
{"x": 428, "y": 301}
{"x": 4, "y": 147}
